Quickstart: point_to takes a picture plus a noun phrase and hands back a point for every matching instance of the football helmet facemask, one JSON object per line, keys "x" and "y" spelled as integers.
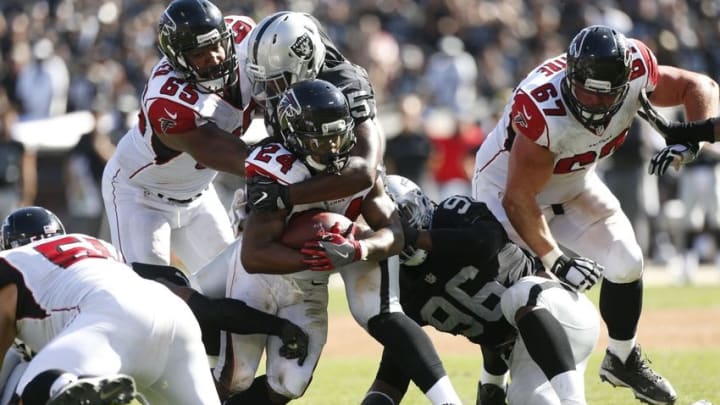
{"x": 188, "y": 26}
{"x": 415, "y": 207}
{"x": 29, "y": 224}
{"x": 284, "y": 48}
{"x": 316, "y": 125}
{"x": 597, "y": 74}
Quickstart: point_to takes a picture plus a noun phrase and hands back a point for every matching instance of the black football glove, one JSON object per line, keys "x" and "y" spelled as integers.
{"x": 267, "y": 195}
{"x": 411, "y": 233}
{"x": 295, "y": 342}
{"x": 578, "y": 272}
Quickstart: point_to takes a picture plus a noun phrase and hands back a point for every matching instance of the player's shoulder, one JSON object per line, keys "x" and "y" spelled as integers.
{"x": 459, "y": 210}
{"x": 273, "y": 160}
{"x": 240, "y": 26}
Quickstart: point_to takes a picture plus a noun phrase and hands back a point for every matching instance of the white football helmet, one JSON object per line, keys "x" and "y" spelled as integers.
{"x": 284, "y": 48}
{"x": 415, "y": 207}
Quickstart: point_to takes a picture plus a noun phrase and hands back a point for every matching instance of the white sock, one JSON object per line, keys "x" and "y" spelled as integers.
{"x": 442, "y": 392}
{"x": 569, "y": 387}
{"x": 621, "y": 348}
{"x": 61, "y": 382}
{"x": 488, "y": 378}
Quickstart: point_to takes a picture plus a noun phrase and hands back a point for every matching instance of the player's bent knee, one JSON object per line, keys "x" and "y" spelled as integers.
{"x": 624, "y": 263}
{"x": 518, "y": 296}
{"x": 289, "y": 385}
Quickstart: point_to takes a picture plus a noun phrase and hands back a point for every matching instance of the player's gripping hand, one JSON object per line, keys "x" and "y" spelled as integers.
{"x": 295, "y": 342}
{"x": 675, "y": 155}
{"x": 333, "y": 249}
{"x": 267, "y": 195}
{"x": 578, "y": 272}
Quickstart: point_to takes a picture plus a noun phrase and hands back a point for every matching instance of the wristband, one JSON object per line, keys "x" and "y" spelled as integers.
{"x": 363, "y": 250}
{"x": 550, "y": 258}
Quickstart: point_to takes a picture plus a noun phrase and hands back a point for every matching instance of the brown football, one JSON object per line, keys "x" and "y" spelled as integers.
{"x": 304, "y": 226}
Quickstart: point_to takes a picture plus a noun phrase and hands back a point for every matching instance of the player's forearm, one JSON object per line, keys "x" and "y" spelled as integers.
{"x": 275, "y": 259}
{"x": 529, "y": 222}
{"x": 226, "y": 157}
{"x": 382, "y": 244}
{"x": 354, "y": 178}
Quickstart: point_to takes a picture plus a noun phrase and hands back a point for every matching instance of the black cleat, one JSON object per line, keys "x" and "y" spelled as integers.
{"x": 490, "y": 394}
{"x": 636, "y": 374}
{"x": 117, "y": 389}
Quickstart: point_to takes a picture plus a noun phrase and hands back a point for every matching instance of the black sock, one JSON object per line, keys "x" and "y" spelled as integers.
{"x": 37, "y": 391}
{"x": 620, "y": 307}
{"x": 546, "y": 342}
{"x": 409, "y": 347}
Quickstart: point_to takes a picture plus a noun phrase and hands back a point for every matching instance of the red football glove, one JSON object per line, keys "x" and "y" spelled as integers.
{"x": 333, "y": 249}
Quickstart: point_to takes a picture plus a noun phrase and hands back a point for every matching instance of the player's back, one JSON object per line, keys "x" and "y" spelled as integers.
{"x": 55, "y": 276}
{"x": 460, "y": 294}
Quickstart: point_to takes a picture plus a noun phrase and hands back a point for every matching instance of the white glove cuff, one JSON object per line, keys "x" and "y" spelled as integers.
{"x": 550, "y": 258}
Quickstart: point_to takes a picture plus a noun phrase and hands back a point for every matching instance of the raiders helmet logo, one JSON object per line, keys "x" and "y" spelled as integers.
{"x": 303, "y": 47}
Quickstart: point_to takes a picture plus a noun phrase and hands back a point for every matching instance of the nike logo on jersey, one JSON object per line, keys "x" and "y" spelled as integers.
{"x": 525, "y": 113}
{"x": 173, "y": 116}
{"x": 263, "y": 196}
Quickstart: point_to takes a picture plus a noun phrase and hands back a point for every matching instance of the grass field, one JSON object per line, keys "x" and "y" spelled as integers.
{"x": 679, "y": 332}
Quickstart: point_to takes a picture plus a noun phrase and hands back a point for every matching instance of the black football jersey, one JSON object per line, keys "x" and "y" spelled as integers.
{"x": 460, "y": 293}
{"x": 350, "y": 78}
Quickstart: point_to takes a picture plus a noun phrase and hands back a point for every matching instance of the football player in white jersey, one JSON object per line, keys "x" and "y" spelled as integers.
{"x": 317, "y": 128}
{"x": 97, "y": 328}
{"x": 536, "y": 172}
{"x": 196, "y": 103}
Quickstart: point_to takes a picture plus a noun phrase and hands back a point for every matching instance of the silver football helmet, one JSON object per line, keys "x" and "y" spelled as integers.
{"x": 415, "y": 207}
{"x": 284, "y": 48}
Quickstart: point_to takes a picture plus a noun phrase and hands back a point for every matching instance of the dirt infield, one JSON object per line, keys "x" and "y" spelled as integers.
{"x": 659, "y": 329}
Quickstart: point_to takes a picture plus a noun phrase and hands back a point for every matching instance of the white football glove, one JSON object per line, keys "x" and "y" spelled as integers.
{"x": 579, "y": 273}
{"x": 675, "y": 155}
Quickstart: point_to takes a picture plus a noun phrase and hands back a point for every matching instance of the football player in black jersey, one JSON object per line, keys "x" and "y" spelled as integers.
{"x": 287, "y": 47}
{"x": 462, "y": 275}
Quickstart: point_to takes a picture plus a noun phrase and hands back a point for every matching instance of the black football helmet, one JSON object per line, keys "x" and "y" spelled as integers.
{"x": 597, "y": 75}
{"x": 187, "y": 25}
{"x": 29, "y": 224}
{"x": 316, "y": 125}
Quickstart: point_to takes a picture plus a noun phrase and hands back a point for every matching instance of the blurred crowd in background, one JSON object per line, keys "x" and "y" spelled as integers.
{"x": 442, "y": 71}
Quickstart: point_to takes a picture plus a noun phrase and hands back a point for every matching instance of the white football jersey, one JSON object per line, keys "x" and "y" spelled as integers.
{"x": 274, "y": 161}
{"x": 172, "y": 105}
{"x": 538, "y": 111}
{"x": 55, "y": 276}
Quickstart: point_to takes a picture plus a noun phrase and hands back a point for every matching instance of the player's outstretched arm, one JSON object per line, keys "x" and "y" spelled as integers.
{"x": 210, "y": 146}
{"x": 387, "y": 238}
{"x": 358, "y": 174}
